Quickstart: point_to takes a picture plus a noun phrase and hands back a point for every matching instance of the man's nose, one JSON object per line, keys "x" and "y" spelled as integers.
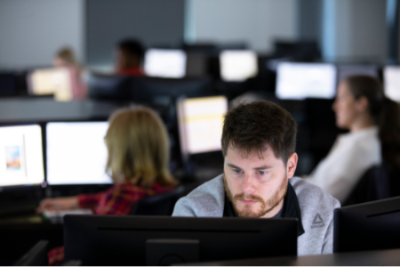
{"x": 248, "y": 185}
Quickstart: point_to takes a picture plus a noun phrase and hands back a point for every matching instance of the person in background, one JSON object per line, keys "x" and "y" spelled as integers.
{"x": 138, "y": 163}
{"x": 65, "y": 58}
{"x": 374, "y": 124}
{"x": 129, "y": 56}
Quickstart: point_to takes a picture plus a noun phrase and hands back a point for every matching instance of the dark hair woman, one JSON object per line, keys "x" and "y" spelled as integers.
{"x": 374, "y": 124}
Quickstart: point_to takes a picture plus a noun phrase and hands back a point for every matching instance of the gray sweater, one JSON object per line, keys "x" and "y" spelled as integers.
{"x": 316, "y": 211}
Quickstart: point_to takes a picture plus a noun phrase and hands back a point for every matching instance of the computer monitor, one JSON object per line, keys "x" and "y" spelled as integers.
{"x": 54, "y": 81}
{"x": 200, "y": 123}
{"x": 391, "y": 78}
{"x": 238, "y": 65}
{"x": 135, "y": 240}
{"x": 21, "y": 155}
{"x": 298, "y": 81}
{"x": 368, "y": 226}
{"x": 345, "y": 71}
{"x": 165, "y": 63}
{"x": 163, "y": 91}
{"x": 76, "y": 153}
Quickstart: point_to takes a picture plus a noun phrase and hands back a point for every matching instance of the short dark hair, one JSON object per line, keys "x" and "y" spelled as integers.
{"x": 132, "y": 47}
{"x": 258, "y": 125}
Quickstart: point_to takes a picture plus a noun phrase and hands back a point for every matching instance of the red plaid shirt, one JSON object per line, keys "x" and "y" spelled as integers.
{"x": 118, "y": 200}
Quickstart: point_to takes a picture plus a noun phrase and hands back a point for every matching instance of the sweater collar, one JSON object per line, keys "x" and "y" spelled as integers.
{"x": 290, "y": 209}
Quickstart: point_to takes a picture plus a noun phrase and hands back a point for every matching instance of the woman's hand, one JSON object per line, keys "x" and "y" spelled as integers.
{"x": 60, "y": 203}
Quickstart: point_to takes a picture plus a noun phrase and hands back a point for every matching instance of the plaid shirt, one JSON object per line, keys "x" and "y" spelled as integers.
{"x": 118, "y": 200}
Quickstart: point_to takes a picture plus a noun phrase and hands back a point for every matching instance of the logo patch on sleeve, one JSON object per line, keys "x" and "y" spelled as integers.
{"x": 317, "y": 222}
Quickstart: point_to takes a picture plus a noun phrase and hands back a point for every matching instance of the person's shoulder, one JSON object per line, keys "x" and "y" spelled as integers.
{"x": 310, "y": 195}
{"x": 209, "y": 187}
{"x": 207, "y": 200}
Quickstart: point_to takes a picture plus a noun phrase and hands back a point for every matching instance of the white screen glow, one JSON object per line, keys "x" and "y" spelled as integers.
{"x": 57, "y": 81}
{"x": 165, "y": 63}
{"x": 21, "y": 155}
{"x": 200, "y": 123}
{"x": 392, "y": 83}
{"x": 305, "y": 80}
{"x": 76, "y": 153}
{"x": 237, "y": 65}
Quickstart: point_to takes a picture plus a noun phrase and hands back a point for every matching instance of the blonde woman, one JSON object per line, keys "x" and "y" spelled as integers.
{"x": 138, "y": 160}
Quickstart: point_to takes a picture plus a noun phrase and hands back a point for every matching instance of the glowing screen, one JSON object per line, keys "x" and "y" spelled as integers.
{"x": 76, "y": 153}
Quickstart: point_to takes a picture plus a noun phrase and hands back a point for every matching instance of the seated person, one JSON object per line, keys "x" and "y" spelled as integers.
{"x": 258, "y": 144}
{"x": 129, "y": 56}
{"x": 374, "y": 124}
{"x": 138, "y": 163}
{"x": 65, "y": 58}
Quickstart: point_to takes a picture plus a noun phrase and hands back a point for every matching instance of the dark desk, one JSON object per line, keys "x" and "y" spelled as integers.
{"x": 376, "y": 258}
{"x": 18, "y": 236}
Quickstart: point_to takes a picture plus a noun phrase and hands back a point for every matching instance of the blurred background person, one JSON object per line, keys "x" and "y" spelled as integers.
{"x": 65, "y": 57}
{"x": 374, "y": 124}
{"x": 129, "y": 57}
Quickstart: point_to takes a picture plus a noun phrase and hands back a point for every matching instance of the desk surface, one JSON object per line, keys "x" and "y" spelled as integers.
{"x": 33, "y": 110}
{"x": 366, "y": 258}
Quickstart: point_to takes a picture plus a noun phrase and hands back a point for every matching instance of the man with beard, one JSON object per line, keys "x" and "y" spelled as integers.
{"x": 258, "y": 144}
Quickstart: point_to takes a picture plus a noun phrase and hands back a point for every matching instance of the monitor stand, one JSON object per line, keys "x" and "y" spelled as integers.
{"x": 163, "y": 252}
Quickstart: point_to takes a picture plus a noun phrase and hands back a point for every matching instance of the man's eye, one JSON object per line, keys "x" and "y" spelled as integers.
{"x": 261, "y": 172}
{"x": 237, "y": 170}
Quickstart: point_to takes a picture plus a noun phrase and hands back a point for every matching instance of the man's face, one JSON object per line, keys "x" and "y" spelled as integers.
{"x": 256, "y": 183}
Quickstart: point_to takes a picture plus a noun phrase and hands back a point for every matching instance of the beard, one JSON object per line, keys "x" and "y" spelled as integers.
{"x": 265, "y": 206}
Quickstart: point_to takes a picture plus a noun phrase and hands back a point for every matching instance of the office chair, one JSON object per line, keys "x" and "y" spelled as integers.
{"x": 373, "y": 185}
{"x": 161, "y": 205}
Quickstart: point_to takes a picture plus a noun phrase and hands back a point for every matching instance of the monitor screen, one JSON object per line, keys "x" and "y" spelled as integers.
{"x": 345, "y": 71}
{"x": 165, "y": 63}
{"x": 200, "y": 123}
{"x": 146, "y": 240}
{"x": 391, "y": 77}
{"x": 298, "y": 81}
{"x": 76, "y": 153}
{"x": 238, "y": 65}
{"x": 367, "y": 226}
{"x": 56, "y": 81}
{"x": 21, "y": 155}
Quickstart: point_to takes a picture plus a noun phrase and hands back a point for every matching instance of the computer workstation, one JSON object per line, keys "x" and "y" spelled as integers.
{"x": 21, "y": 168}
{"x": 57, "y": 82}
{"x": 200, "y": 122}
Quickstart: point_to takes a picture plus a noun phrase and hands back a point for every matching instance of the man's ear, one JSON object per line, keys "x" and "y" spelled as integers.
{"x": 291, "y": 165}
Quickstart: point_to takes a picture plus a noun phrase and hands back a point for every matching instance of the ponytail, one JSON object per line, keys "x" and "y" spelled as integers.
{"x": 389, "y": 132}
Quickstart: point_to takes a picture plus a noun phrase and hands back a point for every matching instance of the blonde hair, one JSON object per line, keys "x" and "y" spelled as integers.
{"x": 67, "y": 55}
{"x": 138, "y": 148}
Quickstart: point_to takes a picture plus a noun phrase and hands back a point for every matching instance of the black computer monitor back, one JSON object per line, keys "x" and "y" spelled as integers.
{"x": 121, "y": 240}
{"x": 165, "y": 91}
{"x": 368, "y": 226}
